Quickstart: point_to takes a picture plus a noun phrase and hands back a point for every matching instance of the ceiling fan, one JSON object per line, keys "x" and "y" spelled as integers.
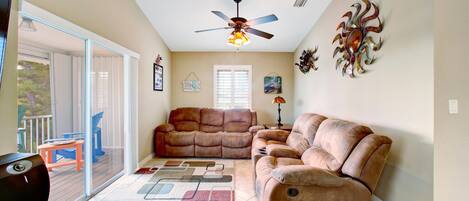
{"x": 241, "y": 25}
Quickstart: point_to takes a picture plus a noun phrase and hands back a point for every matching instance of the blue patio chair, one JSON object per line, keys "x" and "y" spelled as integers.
{"x": 96, "y": 143}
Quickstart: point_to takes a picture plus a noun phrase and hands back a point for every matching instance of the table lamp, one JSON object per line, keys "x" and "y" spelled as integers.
{"x": 279, "y": 100}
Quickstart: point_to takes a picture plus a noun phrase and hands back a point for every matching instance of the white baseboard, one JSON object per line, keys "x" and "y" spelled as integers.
{"x": 145, "y": 160}
{"x": 374, "y": 198}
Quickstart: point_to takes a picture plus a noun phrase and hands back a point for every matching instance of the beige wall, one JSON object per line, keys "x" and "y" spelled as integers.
{"x": 395, "y": 98}
{"x": 8, "y": 113}
{"x": 202, "y": 64}
{"x": 131, "y": 29}
{"x": 451, "y": 82}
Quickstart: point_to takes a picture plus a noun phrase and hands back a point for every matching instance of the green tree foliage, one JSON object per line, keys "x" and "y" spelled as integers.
{"x": 34, "y": 88}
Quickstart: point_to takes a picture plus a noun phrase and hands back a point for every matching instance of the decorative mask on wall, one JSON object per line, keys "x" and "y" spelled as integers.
{"x": 308, "y": 60}
{"x": 355, "y": 42}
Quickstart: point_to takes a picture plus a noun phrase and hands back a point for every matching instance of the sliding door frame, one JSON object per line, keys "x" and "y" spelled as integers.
{"x": 35, "y": 13}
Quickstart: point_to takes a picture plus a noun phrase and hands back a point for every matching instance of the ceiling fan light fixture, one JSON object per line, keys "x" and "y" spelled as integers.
{"x": 238, "y": 39}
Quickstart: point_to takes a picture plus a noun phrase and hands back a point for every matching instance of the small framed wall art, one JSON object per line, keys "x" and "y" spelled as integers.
{"x": 191, "y": 84}
{"x": 157, "y": 77}
{"x": 272, "y": 84}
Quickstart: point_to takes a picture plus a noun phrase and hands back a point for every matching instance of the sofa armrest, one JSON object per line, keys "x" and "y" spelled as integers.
{"x": 165, "y": 128}
{"x": 270, "y": 134}
{"x": 306, "y": 175}
{"x": 282, "y": 151}
{"x": 254, "y": 129}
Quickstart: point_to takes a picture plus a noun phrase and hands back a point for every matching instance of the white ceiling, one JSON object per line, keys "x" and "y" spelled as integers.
{"x": 176, "y": 21}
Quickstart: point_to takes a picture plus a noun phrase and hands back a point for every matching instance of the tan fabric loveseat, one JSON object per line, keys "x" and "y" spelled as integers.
{"x": 343, "y": 162}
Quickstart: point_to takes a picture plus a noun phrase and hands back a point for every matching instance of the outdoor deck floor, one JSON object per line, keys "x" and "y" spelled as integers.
{"x": 67, "y": 183}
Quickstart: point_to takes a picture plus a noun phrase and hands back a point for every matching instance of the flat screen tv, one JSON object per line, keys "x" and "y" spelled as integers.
{"x": 4, "y": 19}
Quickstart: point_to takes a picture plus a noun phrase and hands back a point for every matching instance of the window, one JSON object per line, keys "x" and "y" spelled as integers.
{"x": 232, "y": 87}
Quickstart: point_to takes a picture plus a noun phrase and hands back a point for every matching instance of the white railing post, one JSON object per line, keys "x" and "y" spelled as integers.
{"x": 48, "y": 128}
{"x": 24, "y": 134}
{"x": 31, "y": 135}
{"x": 36, "y": 132}
{"x": 42, "y": 130}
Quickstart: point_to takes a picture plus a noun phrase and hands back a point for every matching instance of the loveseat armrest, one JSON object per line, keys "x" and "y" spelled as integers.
{"x": 165, "y": 128}
{"x": 282, "y": 151}
{"x": 304, "y": 175}
{"x": 271, "y": 134}
{"x": 254, "y": 129}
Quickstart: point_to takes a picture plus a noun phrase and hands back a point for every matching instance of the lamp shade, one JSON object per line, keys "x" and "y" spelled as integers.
{"x": 238, "y": 39}
{"x": 278, "y": 100}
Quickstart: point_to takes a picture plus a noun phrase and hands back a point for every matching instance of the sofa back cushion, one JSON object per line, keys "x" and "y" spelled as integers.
{"x": 304, "y": 130}
{"x": 185, "y": 119}
{"x": 334, "y": 141}
{"x": 237, "y": 120}
{"x": 211, "y": 120}
{"x": 367, "y": 160}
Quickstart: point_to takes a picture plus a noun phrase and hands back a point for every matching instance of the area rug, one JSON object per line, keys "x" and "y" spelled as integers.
{"x": 176, "y": 179}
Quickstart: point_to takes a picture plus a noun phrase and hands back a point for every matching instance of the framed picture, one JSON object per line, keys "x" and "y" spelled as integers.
{"x": 191, "y": 85}
{"x": 157, "y": 77}
{"x": 273, "y": 84}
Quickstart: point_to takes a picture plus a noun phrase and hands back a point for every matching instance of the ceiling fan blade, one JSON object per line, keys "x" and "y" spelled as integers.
{"x": 204, "y": 30}
{"x": 222, "y": 16}
{"x": 259, "y": 33}
{"x": 262, "y": 20}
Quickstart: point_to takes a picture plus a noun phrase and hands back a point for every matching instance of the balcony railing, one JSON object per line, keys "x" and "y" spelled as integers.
{"x": 35, "y": 131}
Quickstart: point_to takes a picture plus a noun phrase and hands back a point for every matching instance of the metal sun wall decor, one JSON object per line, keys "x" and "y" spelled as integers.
{"x": 308, "y": 60}
{"x": 355, "y": 42}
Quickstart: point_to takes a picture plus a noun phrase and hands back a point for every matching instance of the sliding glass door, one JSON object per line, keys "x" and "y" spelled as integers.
{"x": 107, "y": 120}
{"x": 50, "y": 119}
{"x": 71, "y": 107}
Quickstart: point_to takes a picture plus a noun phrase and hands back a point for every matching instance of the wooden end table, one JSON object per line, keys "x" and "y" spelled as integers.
{"x": 45, "y": 151}
{"x": 285, "y": 127}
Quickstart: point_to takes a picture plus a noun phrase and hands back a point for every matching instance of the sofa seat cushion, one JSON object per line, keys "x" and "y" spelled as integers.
{"x": 180, "y": 151}
{"x": 267, "y": 164}
{"x": 207, "y": 152}
{"x": 279, "y": 150}
{"x": 236, "y": 153}
{"x": 236, "y": 140}
{"x": 208, "y": 139}
{"x": 269, "y": 142}
{"x": 179, "y": 138}
{"x": 210, "y": 129}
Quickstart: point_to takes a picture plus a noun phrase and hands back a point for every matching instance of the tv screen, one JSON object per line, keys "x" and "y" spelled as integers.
{"x": 4, "y": 19}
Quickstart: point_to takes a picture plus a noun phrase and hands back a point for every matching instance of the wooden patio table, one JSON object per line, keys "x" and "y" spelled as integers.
{"x": 45, "y": 150}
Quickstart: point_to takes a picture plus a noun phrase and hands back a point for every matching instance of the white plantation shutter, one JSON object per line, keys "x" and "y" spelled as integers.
{"x": 232, "y": 87}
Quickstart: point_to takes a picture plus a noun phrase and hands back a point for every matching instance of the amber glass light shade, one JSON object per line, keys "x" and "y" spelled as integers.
{"x": 238, "y": 39}
{"x": 278, "y": 100}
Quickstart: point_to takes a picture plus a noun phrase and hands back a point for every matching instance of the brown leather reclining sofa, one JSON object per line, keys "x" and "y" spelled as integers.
{"x": 196, "y": 132}
{"x": 320, "y": 160}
